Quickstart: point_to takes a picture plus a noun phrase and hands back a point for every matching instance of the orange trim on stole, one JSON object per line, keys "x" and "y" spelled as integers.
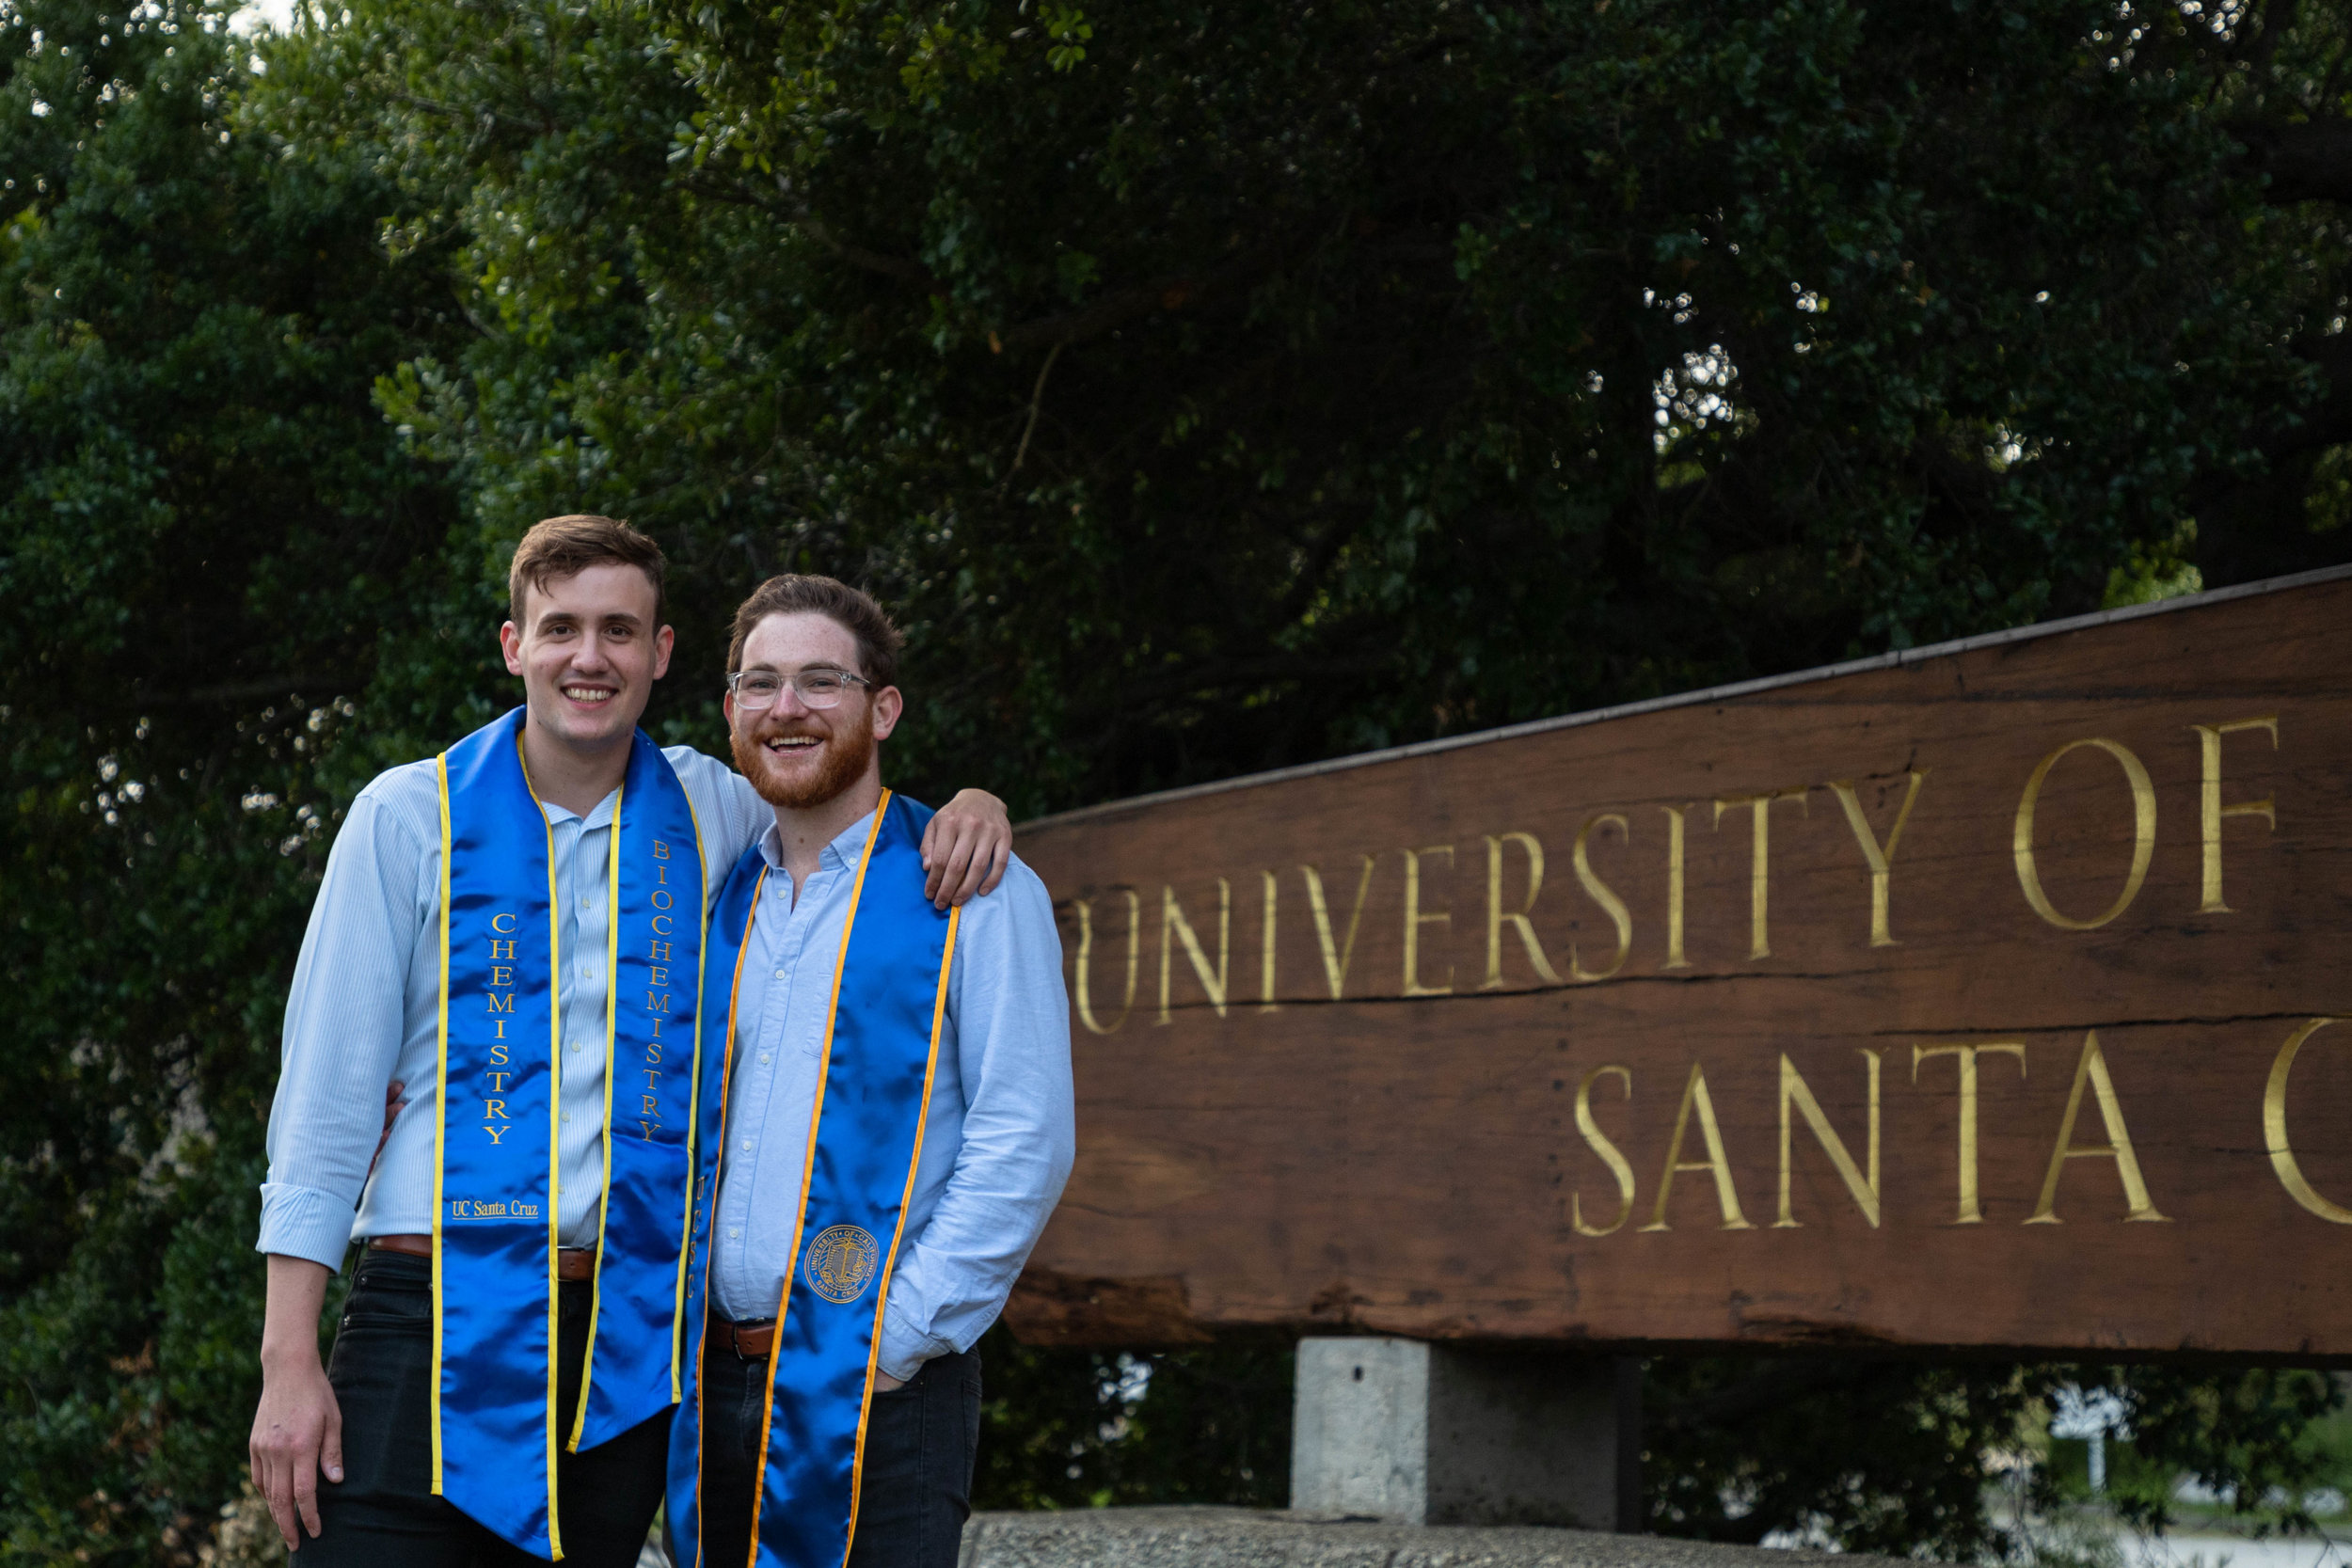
{"x": 808, "y": 1167}
{"x": 726, "y": 1073}
{"x": 890, "y": 1264}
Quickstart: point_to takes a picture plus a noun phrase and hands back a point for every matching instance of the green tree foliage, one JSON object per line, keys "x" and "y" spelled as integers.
{"x": 205, "y": 530}
{"x": 1209, "y": 387}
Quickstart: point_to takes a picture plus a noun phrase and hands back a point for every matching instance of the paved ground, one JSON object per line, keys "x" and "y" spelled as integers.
{"x": 1244, "y": 1538}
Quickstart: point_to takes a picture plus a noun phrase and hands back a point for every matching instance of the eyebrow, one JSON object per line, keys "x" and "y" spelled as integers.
{"x": 552, "y": 615}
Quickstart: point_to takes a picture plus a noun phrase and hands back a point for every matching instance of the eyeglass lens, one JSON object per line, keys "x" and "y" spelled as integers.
{"x": 819, "y": 688}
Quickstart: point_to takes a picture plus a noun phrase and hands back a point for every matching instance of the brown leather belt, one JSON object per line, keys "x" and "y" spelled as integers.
{"x": 574, "y": 1265}
{"x": 749, "y": 1342}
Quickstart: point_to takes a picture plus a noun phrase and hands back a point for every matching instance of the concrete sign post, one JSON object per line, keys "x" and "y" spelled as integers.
{"x": 1983, "y": 996}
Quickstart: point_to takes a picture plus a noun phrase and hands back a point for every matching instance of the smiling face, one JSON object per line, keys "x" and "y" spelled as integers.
{"x": 799, "y": 757}
{"x": 588, "y": 653}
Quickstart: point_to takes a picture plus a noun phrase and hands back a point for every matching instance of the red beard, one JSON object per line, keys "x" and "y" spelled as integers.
{"x": 842, "y": 759}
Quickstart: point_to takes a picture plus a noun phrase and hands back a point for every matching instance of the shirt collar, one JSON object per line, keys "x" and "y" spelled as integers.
{"x": 841, "y": 854}
{"x": 600, "y": 815}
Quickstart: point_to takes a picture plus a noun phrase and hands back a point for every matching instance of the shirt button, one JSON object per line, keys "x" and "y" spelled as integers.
{"x": 763, "y": 1056}
{"x": 567, "y": 1119}
{"x": 779, "y": 974}
{"x": 574, "y": 1045}
{"x": 733, "y": 1234}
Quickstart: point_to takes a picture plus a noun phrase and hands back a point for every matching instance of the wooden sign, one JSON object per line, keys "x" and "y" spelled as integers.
{"x": 1977, "y": 996}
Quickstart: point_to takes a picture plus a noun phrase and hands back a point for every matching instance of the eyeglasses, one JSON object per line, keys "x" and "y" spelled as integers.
{"x": 820, "y": 687}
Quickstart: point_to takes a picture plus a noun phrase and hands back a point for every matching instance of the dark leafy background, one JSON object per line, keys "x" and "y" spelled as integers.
{"x": 1207, "y": 388}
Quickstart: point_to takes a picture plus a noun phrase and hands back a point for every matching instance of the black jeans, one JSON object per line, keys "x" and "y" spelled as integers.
{"x": 383, "y": 1512}
{"x": 921, "y": 1441}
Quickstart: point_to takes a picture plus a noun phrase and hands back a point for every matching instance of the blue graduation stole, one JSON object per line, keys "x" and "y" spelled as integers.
{"x": 881, "y": 1044}
{"x": 495, "y": 1181}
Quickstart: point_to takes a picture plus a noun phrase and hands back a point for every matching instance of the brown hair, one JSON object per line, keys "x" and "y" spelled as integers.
{"x": 568, "y": 546}
{"x": 878, "y": 640}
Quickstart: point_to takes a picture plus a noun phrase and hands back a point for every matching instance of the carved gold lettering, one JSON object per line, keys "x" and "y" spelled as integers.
{"x": 661, "y": 899}
{"x": 661, "y": 925}
{"x": 661, "y": 874}
{"x": 658, "y": 975}
{"x": 1880, "y": 857}
{"x": 1086, "y": 963}
{"x": 646, "y": 1134}
{"x": 1336, "y": 958}
{"x": 503, "y": 1004}
{"x": 497, "y": 1134}
{"x": 2282, "y": 1160}
{"x": 501, "y": 1085}
{"x": 653, "y": 1051}
{"x": 1415, "y": 920}
{"x": 657, "y": 1004}
{"x": 1971, "y": 1209}
{"x": 1676, "y": 958}
{"x": 1694, "y": 1097}
{"x": 498, "y": 1056}
{"x": 1172, "y": 923}
{"x": 1608, "y": 1152}
{"x": 1266, "y": 950}
{"x": 504, "y": 929}
{"x": 1602, "y": 893}
{"x": 502, "y": 950}
{"x": 499, "y": 1024}
{"x": 661, "y": 851}
{"x": 495, "y": 1110}
{"x": 2143, "y": 834}
{"x": 2210, "y": 812}
{"x": 1760, "y": 856}
{"x": 649, "y": 1107}
{"x": 1497, "y": 917}
{"x": 2092, "y": 1068}
{"x": 659, "y": 953}
{"x": 1794, "y": 1091}
{"x": 502, "y": 976}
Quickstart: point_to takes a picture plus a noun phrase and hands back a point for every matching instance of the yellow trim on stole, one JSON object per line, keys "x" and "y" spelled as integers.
{"x": 604, "y": 1200}
{"x": 555, "y": 1131}
{"x": 693, "y": 1120}
{"x": 808, "y": 1165}
{"x": 914, "y": 1163}
{"x": 440, "y": 1120}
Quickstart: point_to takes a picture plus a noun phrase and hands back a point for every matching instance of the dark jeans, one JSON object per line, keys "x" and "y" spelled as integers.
{"x": 383, "y": 1511}
{"x": 916, "y": 1491}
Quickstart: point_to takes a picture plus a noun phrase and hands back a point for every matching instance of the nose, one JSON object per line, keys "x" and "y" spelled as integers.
{"x": 591, "y": 654}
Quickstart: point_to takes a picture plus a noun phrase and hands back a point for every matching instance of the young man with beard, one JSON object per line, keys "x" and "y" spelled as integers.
{"x": 506, "y": 927}
{"x": 889, "y": 1126}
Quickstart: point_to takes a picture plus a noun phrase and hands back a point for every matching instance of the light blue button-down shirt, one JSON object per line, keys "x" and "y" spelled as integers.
{"x": 364, "y": 1009}
{"x": 999, "y": 1136}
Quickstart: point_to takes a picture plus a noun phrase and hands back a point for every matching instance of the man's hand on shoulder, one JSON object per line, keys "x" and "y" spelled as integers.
{"x": 965, "y": 847}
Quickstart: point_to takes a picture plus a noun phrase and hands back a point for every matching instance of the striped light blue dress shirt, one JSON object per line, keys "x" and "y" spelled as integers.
{"x": 364, "y": 1010}
{"x": 999, "y": 1135}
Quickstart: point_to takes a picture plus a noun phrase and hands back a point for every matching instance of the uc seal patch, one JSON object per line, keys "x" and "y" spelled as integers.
{"x": 840, "y": 1261}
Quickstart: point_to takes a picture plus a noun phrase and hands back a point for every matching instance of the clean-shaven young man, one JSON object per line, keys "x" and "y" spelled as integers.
{"x": 512, "y": 931}
{"x": 886, "y": 1130}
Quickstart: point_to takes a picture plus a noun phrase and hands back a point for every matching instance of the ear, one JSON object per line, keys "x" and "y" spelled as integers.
{"x": 511, "y": 643}
{"x": 888, "y": 706}
{"x": 663, "y": 640}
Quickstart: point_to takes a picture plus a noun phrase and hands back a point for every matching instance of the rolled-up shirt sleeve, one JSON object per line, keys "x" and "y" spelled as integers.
{"x": 344, "y": 1022}
{"x": 1018, "y": 1138}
